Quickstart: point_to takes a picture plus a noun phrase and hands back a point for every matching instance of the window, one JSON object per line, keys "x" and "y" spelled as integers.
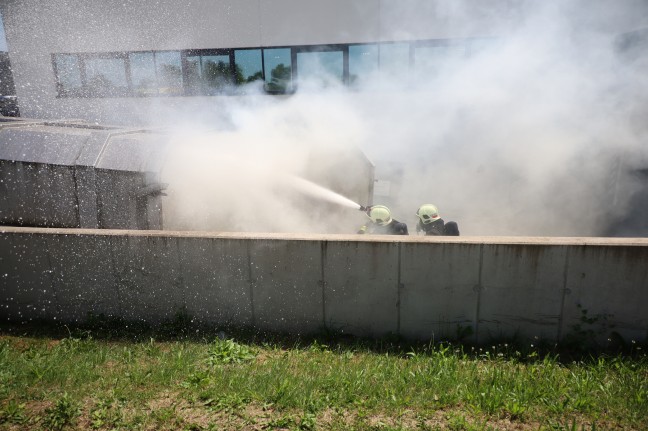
{"x": 207, "y": 72}
{"x": 363, "y": 62}
{"x": 248, "y": 66}
{"x": 168, "y": 69}
{"x": 432, "y": 60}
{"x": 68, "y": 74}
{"x": 394, "y": 60}
{"x": 143, "y": 76}
{"x": 320, "y": 68}
{"x": 278, "y": 70}
{"x": 105, "y": 76}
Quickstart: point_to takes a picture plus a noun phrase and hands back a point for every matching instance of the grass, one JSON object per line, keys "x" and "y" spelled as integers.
{"x": 166, "y": 380}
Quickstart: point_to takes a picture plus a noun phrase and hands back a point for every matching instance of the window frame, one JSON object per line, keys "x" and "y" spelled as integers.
{"x": 186, "y": 89}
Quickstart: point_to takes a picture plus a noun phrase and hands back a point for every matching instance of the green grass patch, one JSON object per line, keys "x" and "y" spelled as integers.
{"x": 210, "y": 381}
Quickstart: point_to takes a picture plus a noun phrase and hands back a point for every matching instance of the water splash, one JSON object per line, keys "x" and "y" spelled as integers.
{"x": 320, "y": 192}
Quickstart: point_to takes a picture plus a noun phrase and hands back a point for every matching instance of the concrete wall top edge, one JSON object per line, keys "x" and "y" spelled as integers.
{"x": 504, "y": 240}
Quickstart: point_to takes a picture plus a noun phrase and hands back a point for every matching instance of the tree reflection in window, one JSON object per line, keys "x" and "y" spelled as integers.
{"x": 247, "y": 66}
{"x": 169, "y": 72}
{"x": 208, "y": 74}
{"x": 278, "y": 70}
{"x": 217, "y": 75}
{"x": 279, "y": 78}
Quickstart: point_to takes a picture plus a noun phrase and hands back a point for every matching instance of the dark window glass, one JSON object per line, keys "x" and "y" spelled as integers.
{"x": 248, "y": 67}
{"x": 208, "y": 74}
{"x": 216, "y": 71}
{"x": 320, "y": 68}
{"x": 106, "y": 76}
{"x": 278, "y": 70}
{"x": 394, "y": 60}
{"x": 68, "y": 73}
{"x": 169, "y": 72}
{"x": 192, "y": 75}
{"x": 363, "y": 62}
{"x": 142, "y": 68}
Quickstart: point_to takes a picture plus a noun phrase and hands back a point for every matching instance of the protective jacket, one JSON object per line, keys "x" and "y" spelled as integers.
{"x": 438, "y": 228}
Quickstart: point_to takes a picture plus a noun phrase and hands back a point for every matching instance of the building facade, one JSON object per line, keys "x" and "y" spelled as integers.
{"x": 113, "y": 61}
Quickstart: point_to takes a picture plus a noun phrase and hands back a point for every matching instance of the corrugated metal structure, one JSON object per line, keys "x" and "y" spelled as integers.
{"x": 72, "y": 174}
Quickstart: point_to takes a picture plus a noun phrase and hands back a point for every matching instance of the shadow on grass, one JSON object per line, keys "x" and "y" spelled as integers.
{"x": 182, "y": 327}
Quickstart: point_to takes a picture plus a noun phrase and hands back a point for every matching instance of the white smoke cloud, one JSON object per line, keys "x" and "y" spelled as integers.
{"x": 250, "y": 176}
{"x": 532, "y": 136}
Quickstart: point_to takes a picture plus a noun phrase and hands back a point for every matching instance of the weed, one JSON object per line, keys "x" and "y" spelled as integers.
{"x": 457, "y": 422}
{"x": 98, "y": 417}
{"x": 64, "y": 411}
{"x": 284, "y": 421}
{"x": 13, "y": 413}
{"x": 228, "y": 352}
{"x": 105, "y": 414}
{"x": 196, "y": 379}
{"x": 227, "y": 402}
{"x": 515, "y": 409}
{"x": 317, "y": 347}
{"x": 308, "y": 421}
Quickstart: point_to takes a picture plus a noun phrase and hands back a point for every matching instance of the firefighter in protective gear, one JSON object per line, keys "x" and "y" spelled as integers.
{"x": 431, "y": 223}
{"x": 382, "y": 222}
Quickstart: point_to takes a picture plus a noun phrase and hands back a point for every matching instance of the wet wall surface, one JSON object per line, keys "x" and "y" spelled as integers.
{"x": 475, "y": 288}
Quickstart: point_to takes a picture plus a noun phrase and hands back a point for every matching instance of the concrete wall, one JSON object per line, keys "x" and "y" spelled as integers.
{"x": 417, "y": 287}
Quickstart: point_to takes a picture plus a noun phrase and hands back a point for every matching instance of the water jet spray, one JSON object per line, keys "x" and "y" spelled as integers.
{"x": 320, "y": 192}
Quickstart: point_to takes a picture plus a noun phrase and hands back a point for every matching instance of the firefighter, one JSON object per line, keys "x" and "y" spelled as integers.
{"x": 382, "y": 222}
{"x": 431, "y": 223}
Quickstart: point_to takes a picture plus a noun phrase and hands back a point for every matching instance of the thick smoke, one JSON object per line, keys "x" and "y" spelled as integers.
{"x": 532, "y": 134}
{"x": 252, "y": 172}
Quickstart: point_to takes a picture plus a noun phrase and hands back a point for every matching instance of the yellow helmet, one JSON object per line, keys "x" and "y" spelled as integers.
{"x": 380, "y": 215}
{"x": 428, "y": 213}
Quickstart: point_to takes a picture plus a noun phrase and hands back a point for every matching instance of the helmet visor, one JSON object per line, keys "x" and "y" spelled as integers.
{"x": 382, "y": 222}
{"x": 427, "y": 218}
